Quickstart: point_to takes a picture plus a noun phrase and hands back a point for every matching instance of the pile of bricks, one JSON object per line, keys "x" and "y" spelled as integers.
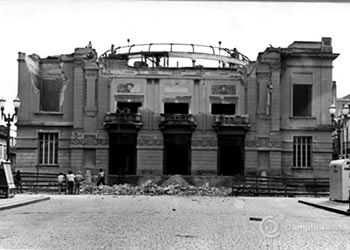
{"x": 151, "y": 188}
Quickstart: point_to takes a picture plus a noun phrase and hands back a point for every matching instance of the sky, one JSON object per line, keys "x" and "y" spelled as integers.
{"x": 58, "y": 27}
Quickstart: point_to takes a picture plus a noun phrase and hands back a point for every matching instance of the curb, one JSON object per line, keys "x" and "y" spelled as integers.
{"x": 330, "y": 209}
{"x": 23, "y": 203}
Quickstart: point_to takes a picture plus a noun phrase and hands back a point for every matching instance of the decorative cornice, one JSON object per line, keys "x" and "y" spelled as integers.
{"x": 177, "y": 99}
{"x": 204, "y": 142}
{"x": 87, "y": 139}
{"x": 127, "y": 98}
{"x": 264, "y": 142}
{"x": 223, "y": 99}
{"x": 150, "y": 141}
{"x": 158, "y": 141}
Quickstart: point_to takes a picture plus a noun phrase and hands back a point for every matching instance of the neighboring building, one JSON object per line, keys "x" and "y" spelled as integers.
{"x": 342, "y": 147}
{"x": 3, "y": 146}
{"x": 3, "y": 142}
{"x": 141, "y": 110}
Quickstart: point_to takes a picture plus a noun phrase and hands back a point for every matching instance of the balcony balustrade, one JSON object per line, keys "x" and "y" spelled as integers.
{"x": 241, "y": 121}
{"x": 123, "y": 119}
{"x": 182, "y": 120}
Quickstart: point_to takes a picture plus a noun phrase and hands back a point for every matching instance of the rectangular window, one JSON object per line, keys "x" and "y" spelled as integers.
{"x": 48, "y": 148}
{"x": 176, "y": 108}
{"x": 50, "y": 90}
{"x": 223, "y": 109}
{"x": 128, "y": 107}
{"x": 302, "y": 151}
{"x": 302, "y": 94}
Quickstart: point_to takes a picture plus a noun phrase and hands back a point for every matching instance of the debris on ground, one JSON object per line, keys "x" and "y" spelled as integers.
{"x": 175, "y": 185}
{"x": 175, "y": 180}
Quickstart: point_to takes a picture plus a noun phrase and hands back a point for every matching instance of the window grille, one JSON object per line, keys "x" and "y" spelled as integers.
{"x": 48, "y": 148}
{"x": 50, "y": 90}
{"x": 302, "y": 151}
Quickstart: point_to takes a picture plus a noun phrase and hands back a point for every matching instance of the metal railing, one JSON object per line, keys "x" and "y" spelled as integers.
{"x": 177, "y": 118}
{"x": 175, "y": 47}
{"x": 279, "y": 186}
{"x": 123, "y": 117}
{"x": 231, "y": 120}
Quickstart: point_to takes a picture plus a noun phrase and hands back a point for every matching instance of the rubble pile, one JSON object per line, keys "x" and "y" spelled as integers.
{"x": 169, "y": 187}
{"x": 175, "y": 180}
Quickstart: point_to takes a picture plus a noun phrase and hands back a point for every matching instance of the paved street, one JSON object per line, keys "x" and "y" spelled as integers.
{"x": 165, "y": 222}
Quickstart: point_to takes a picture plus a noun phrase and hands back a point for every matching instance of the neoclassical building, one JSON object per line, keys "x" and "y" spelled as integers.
{"x": 164, "y": 109}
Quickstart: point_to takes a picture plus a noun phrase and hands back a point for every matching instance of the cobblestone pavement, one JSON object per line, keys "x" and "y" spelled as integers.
{"x": 168, "y": 222}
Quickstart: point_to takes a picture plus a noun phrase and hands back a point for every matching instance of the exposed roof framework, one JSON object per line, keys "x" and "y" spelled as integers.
{"x": 159, "y": 54}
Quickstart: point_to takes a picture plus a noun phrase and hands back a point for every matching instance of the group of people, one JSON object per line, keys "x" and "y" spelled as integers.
{"x": 70, "y": 183}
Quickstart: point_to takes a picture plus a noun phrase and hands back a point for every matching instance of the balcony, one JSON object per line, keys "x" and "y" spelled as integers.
{"x": 123, "y": 120}
{"x": 231, "y": 121}
{"x": 177, "y": 120}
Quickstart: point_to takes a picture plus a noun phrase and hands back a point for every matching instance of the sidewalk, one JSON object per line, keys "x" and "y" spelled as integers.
{"x": 326, "y": 204}
{"x": 322, "y": 203}
{"x": 21, "y": 200}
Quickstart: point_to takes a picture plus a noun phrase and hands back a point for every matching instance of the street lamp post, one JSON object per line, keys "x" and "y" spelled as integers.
{"x": 340, "y": 123}
{"x": 8, "y": 119}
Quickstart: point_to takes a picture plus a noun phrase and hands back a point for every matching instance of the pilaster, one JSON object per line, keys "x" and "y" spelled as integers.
{"x": 275, "y": 98}
{"x": 91, "y": 73}
{"x": 78, "y": 94}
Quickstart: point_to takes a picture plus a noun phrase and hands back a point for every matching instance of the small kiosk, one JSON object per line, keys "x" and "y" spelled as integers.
{"x": 7, "y": 185}
{"x": 339, "y": 180}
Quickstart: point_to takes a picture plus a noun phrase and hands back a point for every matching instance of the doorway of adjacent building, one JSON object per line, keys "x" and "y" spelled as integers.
{"x": 122, "y": 154}
{"x": 177, "y": 154}
{"x": 230, "y": 155}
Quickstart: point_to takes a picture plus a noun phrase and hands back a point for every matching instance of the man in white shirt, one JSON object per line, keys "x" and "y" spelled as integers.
{"x": 60, "y": 180}
{"x": 70, "y": 182}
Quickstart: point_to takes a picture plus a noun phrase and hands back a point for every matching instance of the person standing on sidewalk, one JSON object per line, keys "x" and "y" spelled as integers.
{"x": 101, "y": 178}
{"x": 70, "y": 181}
{"x": 78, "y": 179}
{"x": 61, "y": 182}
{"x": 18, "y": 182}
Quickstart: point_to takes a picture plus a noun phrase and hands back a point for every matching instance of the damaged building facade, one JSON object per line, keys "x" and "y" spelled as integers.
{"x": 164, "y": 109}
